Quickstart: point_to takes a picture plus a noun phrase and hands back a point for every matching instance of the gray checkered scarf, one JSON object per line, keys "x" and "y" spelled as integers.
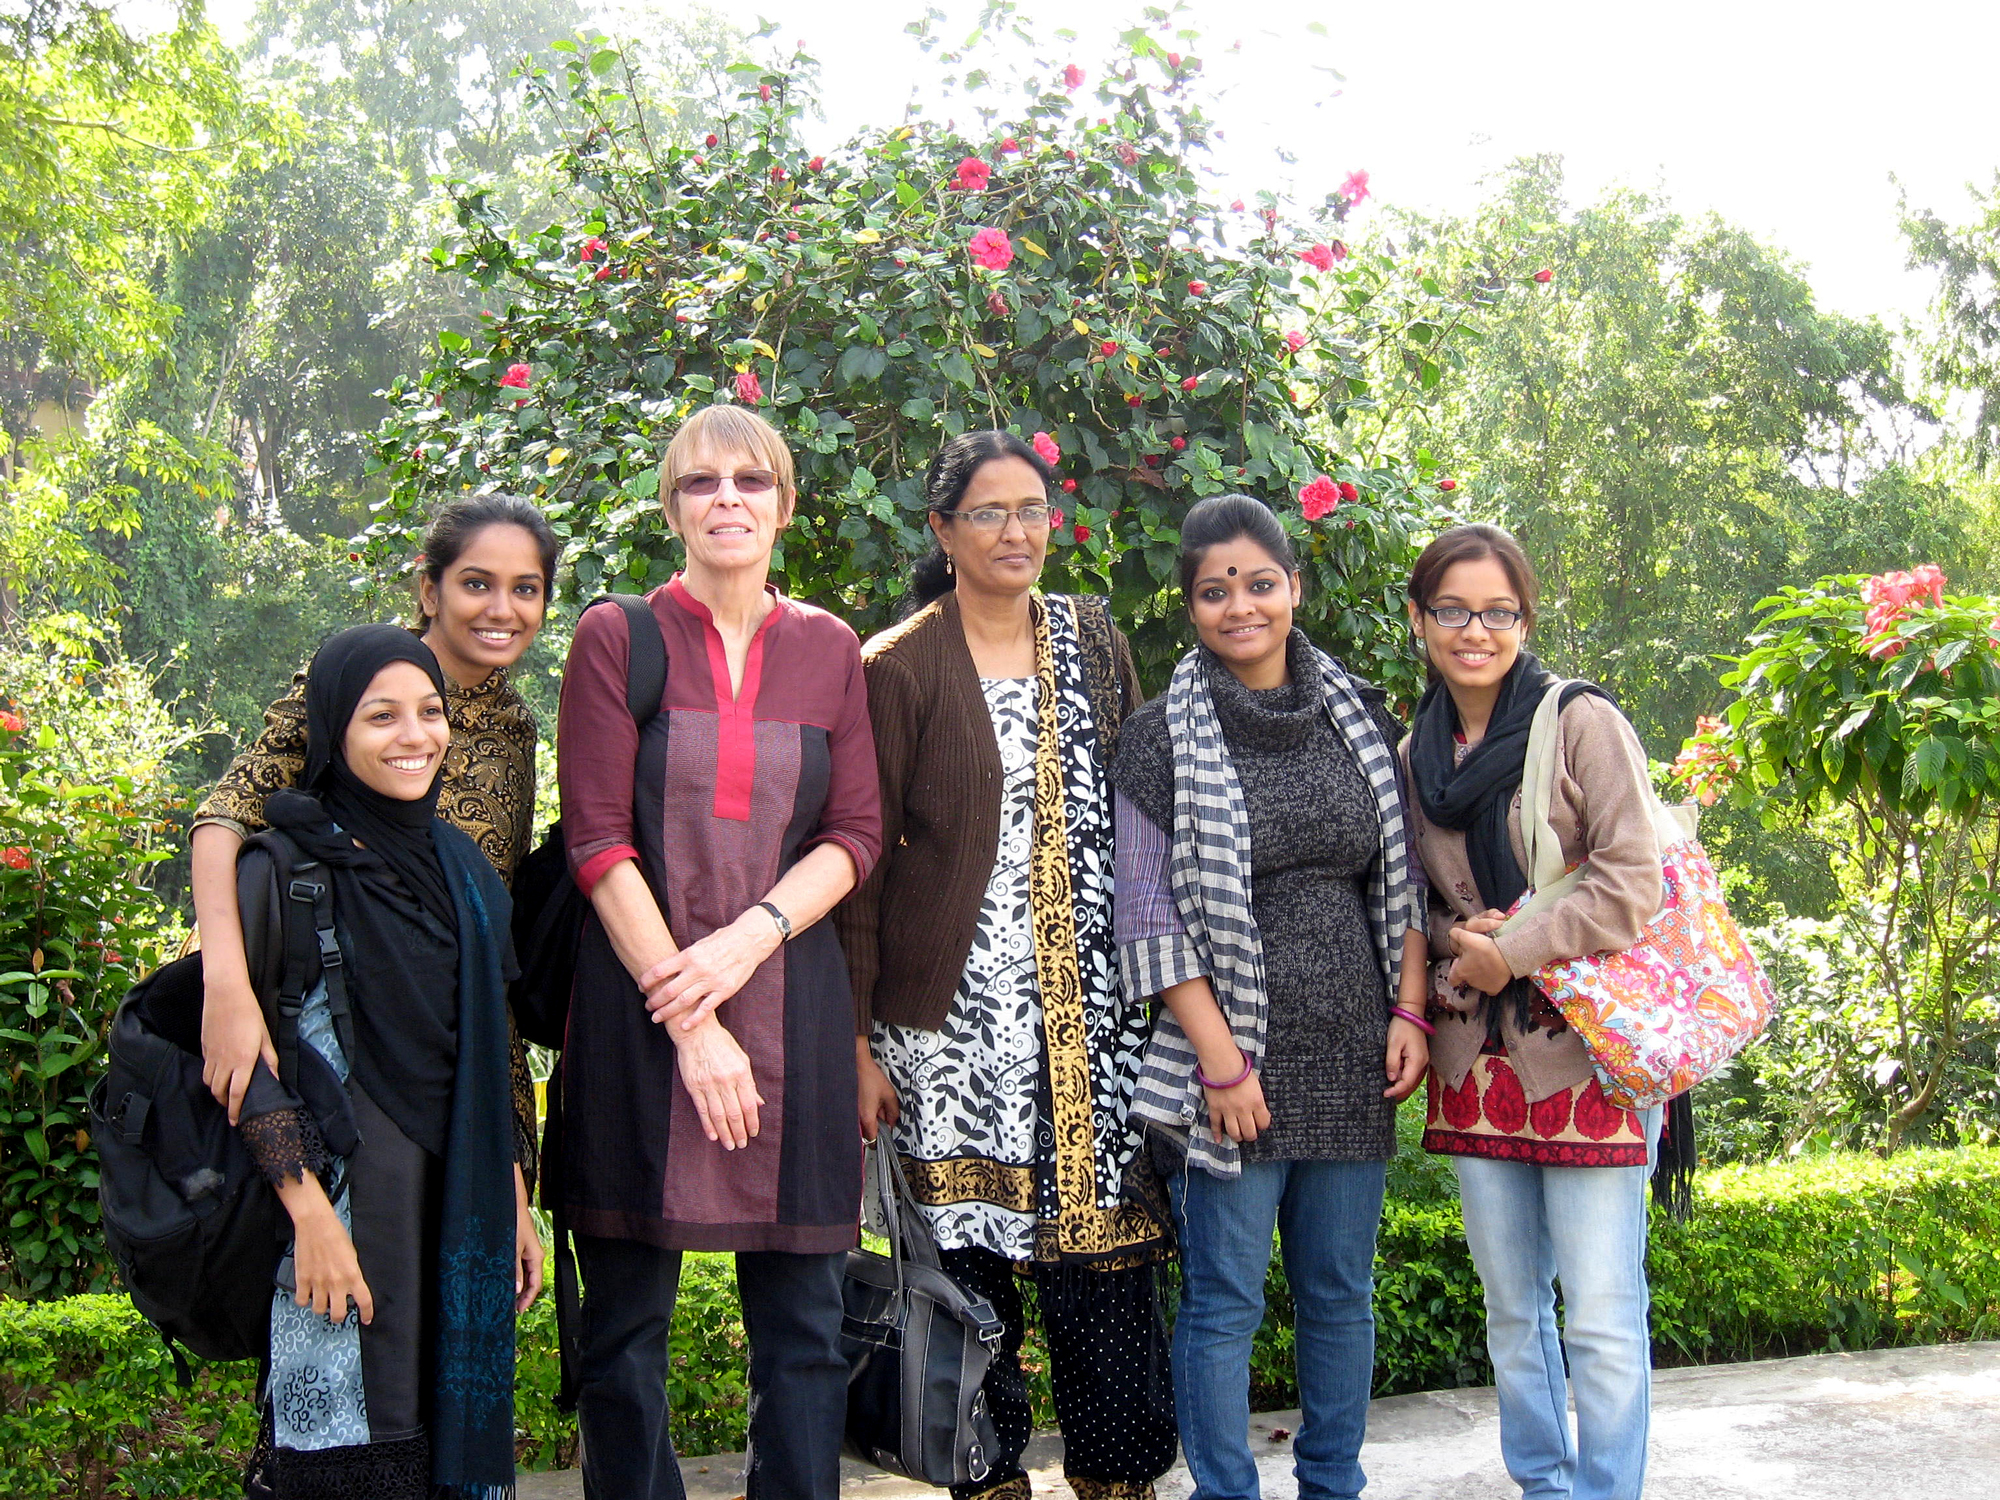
{"x": 1208, "y": 868}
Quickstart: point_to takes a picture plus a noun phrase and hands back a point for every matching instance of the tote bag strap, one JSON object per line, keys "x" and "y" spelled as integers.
{"x": 1538, "y": 789}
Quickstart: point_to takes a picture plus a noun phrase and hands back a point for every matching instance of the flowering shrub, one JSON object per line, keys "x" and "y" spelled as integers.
{"x": 1046, "y": 270}
{"x": 1880, "y": 698}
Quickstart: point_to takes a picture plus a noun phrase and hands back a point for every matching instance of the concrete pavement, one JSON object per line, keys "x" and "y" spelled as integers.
{"x": 1886, "y": 1424}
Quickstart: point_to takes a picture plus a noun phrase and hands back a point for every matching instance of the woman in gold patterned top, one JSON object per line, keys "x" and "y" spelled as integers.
{"x": 484, "y": 579}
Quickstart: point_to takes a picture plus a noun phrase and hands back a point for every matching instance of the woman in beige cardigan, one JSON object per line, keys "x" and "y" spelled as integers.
{"x": 1552, "y": 1175}
{"x": 993, "y": 1042}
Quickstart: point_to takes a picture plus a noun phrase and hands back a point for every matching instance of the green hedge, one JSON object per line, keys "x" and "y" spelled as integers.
{"x": 1841, "y": 1252}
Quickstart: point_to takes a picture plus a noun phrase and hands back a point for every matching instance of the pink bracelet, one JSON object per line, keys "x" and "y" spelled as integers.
{"x": 1414, "y": 1019}
{"x": 1209, "y": 1083}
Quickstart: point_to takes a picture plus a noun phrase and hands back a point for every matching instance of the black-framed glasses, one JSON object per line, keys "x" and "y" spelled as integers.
{"x": 995, "y": 517}
{"x": 745, "y": 482}
{"x": 1457, "y": 617}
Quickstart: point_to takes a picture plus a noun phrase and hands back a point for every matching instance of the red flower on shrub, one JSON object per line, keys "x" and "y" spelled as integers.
{"x": 1108, "y": 348}
{"x": 1447, "y": 485}
{"x": 16, "y": 858}
{"x": 992, "y": 249}
{"x": 11, "y": 722}
{"x": 1056, "y": 517}
{"x": 1318, "y": 498}
{"x": 1069, "y": 488}
{"x": 1010, "y": 144}
{"x": 1349, "y": 492}
{"x": 972, "y": 175}
{"x": 1319, "y": 257}
{"x": 518, "y": 377}
{"x": 603, "y": 273}
{"x": 816, "y": 163}
{"x": 1295, "y": 341}
{"x": 749, "y": 389}
{"x": 1152, "y": 460}
{"x": 1355, "y": 188}
{"x": 777, "y": 174}
{"x": 1190, "y": 383}
{"x": 1127, "y": 153}
{"x": 1174, "y": 61}
{"x": 712, "y": 140}
{"x": 1236, "y": 207}
{"x": 1197, "y": 288}
{"x": 1545, "y": 277}
{"x": 1178, "y": 444}
{"x": 591, "y": 248}
{"x": 791, "y": 236}
{"x": 764, "y": 92}
{"x": 1135, "y": 400}
{"x": 997, "y": 305}
{"x": 1081, "y": 532}
{"x": 1046, "y": 446}
{"x": 1073, "y": 77}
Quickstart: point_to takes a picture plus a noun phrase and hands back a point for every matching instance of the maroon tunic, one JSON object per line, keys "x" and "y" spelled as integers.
{"x": 715, "y": 800}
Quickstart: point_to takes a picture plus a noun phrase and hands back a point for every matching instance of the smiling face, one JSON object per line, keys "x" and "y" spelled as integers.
{"x": 1242, "y": 601}
{"x": 397, "y": 738}
{"x": 1472, "y": 657}
{"x": 1006, "y": 562}
{"x": 730, "y": 529}
{"x": 486, "y": 608}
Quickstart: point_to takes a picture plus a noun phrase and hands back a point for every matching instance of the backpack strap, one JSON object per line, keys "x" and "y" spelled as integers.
{"x": 312, "y": 952}
{"x": 646, "y": 664}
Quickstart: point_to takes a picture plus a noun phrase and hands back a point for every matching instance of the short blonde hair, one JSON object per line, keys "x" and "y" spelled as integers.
{"x": 718, "y": 431}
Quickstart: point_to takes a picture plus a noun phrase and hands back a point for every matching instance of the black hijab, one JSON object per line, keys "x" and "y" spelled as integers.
{"x": 398, "y": 925}
{"x": 1473, "y": 796}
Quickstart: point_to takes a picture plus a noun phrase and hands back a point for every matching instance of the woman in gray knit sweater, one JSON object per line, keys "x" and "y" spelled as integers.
{"x": 1263, "y": 894}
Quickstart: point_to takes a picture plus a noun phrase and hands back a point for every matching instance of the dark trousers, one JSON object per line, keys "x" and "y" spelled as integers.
{"x": 1108, "y": 1370}
{"x": 798, "y": 1377}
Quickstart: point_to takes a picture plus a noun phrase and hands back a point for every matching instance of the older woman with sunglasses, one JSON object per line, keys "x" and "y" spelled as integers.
{"x": 708, "y": 1084}
{"x": 993, "y": 1041}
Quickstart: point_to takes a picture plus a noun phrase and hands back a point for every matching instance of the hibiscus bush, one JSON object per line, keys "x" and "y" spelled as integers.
{"x": 1879, "y": 699}
{"x": 1060, "y": 269}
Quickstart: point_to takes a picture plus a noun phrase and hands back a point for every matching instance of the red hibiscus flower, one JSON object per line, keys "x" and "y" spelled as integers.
{"x": 1046, "y": 446}
{"x": 1081, "y": 532}
{"x": 1505, "y": 1105}
{"x": 777, "y": 174}
{"x": 1190, "y": 383}
{"x": 749, "y": 389}
{"x": 1545, "y": 277}
{"x": 1318, "y": 498}
{"x": 1069, "y": 488}
{"x": 1236, "y": 207}
{"x": 1178, "y": 444}
{"x": 1295, "y": 341}
{"x": 713, "y": 140}
{"x": 11, "y": 722}
{"x": 1447, "y": 485}
{"x": 591, "y": 248}
{"x": 1319, "y": 257}
{"x": 16, "y": 858}
{"x": 997, "y": 305}
{"x": 1197, "y": 288}
{"x": 1135, "y": 400}
{"x": 517, "y": 377}
{"x": 992, "y": 249}
{"x": 1174, "y": 60}
{"x": 603, "y": 274}
{"x": 1010, "y": 144}
{"x": 1349, "y": 492}
{"x": 791, "y": 236}
{"x": 764, "y": 92}
{"x": 1073, "y": 77}
{"x": 972, "y": 176}
{"x": 1355, "y": 188}
{"x": 1107, "y": 348}
{"x": 816, "y": 163}
{"x": 1056, "y": 516}
{"x": 1152, "y": 460}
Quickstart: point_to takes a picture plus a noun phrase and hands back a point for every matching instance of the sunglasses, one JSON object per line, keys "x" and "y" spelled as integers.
{"x": 744, "y": 481}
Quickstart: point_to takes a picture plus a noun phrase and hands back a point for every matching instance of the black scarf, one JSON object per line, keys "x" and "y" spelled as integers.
{"x": 423, "y": 924}
{"x": 1474, "y": 796}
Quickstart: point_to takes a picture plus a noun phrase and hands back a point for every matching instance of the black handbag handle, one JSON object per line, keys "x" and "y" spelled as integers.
{"x": 909, "y": 1237}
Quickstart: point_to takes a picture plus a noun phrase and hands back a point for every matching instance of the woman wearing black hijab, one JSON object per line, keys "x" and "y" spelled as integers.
{"x": 394, "y": 1158}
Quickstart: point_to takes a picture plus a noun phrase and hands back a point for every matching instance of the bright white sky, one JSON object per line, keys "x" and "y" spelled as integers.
{"x": 1785, "y": 116}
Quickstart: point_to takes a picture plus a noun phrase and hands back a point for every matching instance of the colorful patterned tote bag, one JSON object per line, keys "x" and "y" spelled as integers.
{"x": 1687, "y": 996}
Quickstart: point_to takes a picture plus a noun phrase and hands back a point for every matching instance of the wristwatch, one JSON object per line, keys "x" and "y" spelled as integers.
{"x": 784, "y": 922}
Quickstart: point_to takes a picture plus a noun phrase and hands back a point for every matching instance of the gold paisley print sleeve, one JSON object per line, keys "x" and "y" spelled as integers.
{"x": 269, "y": 765}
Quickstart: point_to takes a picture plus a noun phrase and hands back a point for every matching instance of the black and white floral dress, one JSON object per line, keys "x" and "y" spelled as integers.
{"x": 970, "y": 1090}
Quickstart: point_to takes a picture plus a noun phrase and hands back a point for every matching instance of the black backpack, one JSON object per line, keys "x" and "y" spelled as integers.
{"x": 195, "y": 1230}
{"x": 548, "y": 908}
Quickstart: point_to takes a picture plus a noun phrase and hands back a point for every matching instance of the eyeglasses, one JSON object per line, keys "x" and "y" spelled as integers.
{"x": 1456, "y": 617}
{"x": 746, "y": 482}
{"x": 996, "y": 517}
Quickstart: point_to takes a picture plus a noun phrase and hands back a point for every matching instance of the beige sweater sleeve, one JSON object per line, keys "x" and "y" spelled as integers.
{"x": 1602, "y": 812}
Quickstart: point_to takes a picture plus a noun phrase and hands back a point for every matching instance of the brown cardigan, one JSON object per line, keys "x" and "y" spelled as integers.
{"x": 907, "y": 928}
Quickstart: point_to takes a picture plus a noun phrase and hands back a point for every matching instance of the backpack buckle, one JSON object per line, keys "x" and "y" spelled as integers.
{"x": 307, "y": 890}
{"x": 329, "y": 949}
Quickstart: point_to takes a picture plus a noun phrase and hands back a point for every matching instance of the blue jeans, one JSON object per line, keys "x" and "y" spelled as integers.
{"x": 1529, "y": 1227}
{"x": 1325, "y": 1214}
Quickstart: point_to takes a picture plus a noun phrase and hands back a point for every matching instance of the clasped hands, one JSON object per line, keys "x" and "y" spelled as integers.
{"x": 1477, "y": 963}
{"x": 682, "y": 993}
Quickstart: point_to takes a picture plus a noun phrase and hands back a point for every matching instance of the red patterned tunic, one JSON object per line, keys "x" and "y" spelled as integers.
{"x": 716, "y": 800}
